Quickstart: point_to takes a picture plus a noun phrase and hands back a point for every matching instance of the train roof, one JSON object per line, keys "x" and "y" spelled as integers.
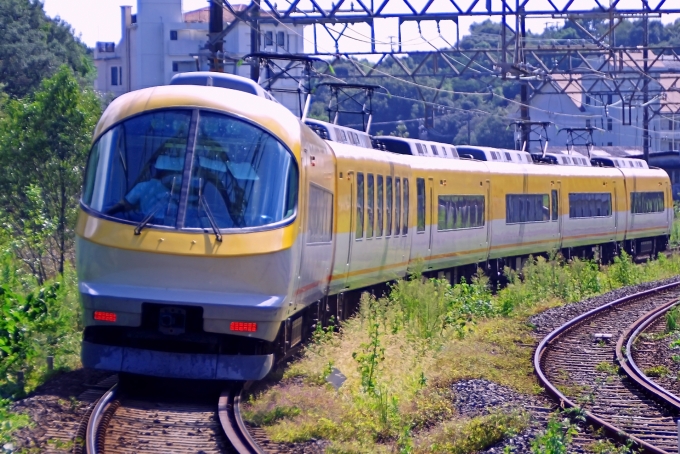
{"x": 495, "y": 154}
{"x": 612, "y": 161}
{"x": 415, "y": 147}
{"x": 221, "y": 80}
{"x": 340, "y": 134}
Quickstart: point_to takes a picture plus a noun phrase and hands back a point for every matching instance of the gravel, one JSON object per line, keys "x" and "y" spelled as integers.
{"x": 547, "y": 321}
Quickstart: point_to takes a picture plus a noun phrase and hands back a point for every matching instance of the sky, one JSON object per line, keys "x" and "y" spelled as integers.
{"x": 99, "y": 20}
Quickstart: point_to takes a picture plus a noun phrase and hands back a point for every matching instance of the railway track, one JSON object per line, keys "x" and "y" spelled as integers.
{"x": 126, "y": 422}
{"x": 578, "y": 365}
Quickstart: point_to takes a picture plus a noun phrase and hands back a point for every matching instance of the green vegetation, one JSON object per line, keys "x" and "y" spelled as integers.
{"x": 607, "y": 368}
{"x": 47, "y": 114}
{"x": 672, "y": 319}
{"x": 402, "y": 352}
{"x": 657, "y": 371}
{"x": 556, "y": 437}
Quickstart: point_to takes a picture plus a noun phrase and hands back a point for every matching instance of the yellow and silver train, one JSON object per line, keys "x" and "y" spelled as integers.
{"x": 216, "y": 228}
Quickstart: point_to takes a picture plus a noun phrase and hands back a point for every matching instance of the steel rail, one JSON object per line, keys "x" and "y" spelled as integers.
{"x": 628, "y": 364}
{"x": 564, "y": 400}
{"x": 229, "y": 412}
{"x": 92, "y": 433}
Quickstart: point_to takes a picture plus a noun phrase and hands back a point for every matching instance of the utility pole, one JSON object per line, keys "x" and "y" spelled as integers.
{"x": 216, "y": 26}
{"x": 255, "y": 40}
{"x": 645, "y": 87}
{"x": 524, "y": 89}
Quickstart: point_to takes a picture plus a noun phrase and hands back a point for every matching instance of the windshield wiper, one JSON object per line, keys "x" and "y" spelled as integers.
{"x": 213, "y": 224}
{"x": 152, "y": 213}
{"x": 148, "y": 217}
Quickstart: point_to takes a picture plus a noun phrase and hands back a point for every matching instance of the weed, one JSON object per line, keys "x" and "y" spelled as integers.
{"x": 556, "y": 437}
{"x": 657, "y": 371}
{"x": 607, "y": 367}
{"x": 672, "y": 319}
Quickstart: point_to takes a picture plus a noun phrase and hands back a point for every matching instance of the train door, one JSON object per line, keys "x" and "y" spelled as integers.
{"x": 352, "y": 216}
{"x": 431, "y": 224}
{"x": 489, "y": 217}
{"x": 556, "y": 196}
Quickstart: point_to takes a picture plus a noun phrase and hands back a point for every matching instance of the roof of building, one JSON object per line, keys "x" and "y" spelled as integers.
{"x": 202, "y": 15}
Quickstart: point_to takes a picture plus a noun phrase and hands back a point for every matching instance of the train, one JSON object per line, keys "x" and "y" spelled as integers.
{"x": 216, "y": 229}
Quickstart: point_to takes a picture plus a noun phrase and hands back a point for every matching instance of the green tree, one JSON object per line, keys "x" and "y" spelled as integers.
{"x": 44, "y": 142}
{"x": 33, "y": 47}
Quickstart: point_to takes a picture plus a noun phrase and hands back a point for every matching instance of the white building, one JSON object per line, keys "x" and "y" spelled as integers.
{"x": 161, "y": 41}
{"x": 582, "y": 100}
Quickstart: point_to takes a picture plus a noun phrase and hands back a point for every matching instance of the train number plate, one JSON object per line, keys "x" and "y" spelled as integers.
{"x": 172, "y": 320}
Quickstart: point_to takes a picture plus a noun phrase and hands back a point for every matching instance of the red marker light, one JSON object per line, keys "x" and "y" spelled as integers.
{"x": 105, "y": 316}
{"x": 248, "y": 327}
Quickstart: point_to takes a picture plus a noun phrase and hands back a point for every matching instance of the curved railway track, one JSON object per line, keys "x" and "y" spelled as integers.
{"x": 121, "y": 422}
{"x": 577, "y": 364}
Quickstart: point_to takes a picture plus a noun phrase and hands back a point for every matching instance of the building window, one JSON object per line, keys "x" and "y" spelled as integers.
{"x": 183, "y": 66}
{"x": 609, "y": 144}
{"x": 460, "y": 212}
{"x": 280, "y": 39}
{"x": 590, "y": 205}
{"x": 173, "y": 35}
{"x": 269, "y": 38}
{"x": 670, "y": 125}
{"x": 609, "y": 98}
{"x": 115, "y": 80}
{"x": 646, "y": 202}
{"x": 588, "y": 123}
{"x": 610, "y": 124}
{"x": 526, "y": 208}
{"x": 587, "y": 100}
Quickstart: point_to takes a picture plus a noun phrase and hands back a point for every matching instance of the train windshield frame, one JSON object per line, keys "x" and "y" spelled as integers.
{"x": 190, "y": 169}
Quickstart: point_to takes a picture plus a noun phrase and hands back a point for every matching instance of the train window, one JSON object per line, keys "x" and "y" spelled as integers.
{"x": 420, "y": 149}
{"x": 388, "y": 206}
{"x": 379, "y": 226}
{"x": 370, "y": 206}
{"x": 404, "y": 227}
{"x": 454, "y": 153}
{"x": 135, "y": 170}
{"x": 590, "y": 205}
{"x": 555, "y": 206}
{"x": 236, "y": 176}
{"x": 340, "y": 135}
{"x": 494, "y": 156}
{"x": 397, "y": 206}
{"x": 646, "y": 202}
{"x": 527, "y": 208}
{"x": 507, "y": 156}
{"x": 359, "y": 232}
{"x": 434, "y": 150}
{"x": 420, "y": 208}
{"x": 320, "y": 213}
{"x": 460, "y": 212}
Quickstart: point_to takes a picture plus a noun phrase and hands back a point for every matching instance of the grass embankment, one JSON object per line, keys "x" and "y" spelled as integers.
{"x": 35, "y": 322}
{"x": 402, "y": 352}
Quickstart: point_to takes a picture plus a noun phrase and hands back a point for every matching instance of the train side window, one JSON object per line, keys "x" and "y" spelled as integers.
{"x": 360, "y": 207}
{"x": 404, "y": 227}
{"x": 388, "y": 206}
{"x": 370, "y": 206}
{"x": 460, "y": 212}
{"x": 527, "y": 208}
{"x": 434, "y": 150}
{"x": 590, "y": 204}
{"x": 397, "y": 206}
{"x": 646, "y": 202}
{"x": 420, "y": 208}
{"x": 555, "y": 205}
{"x": 420, "y": 149}
{"x": 320, "y": 224}
{"x": 379, "y": 227}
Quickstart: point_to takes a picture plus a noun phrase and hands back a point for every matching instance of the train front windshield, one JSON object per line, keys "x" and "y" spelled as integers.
{"x": 233, "y": 174}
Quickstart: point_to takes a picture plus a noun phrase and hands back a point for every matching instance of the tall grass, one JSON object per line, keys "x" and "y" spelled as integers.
{"x": 402, "y": 352}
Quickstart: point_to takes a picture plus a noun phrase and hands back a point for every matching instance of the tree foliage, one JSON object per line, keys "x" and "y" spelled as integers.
{"x": 44, "y": 141}
{"x": 33, "y": 47}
